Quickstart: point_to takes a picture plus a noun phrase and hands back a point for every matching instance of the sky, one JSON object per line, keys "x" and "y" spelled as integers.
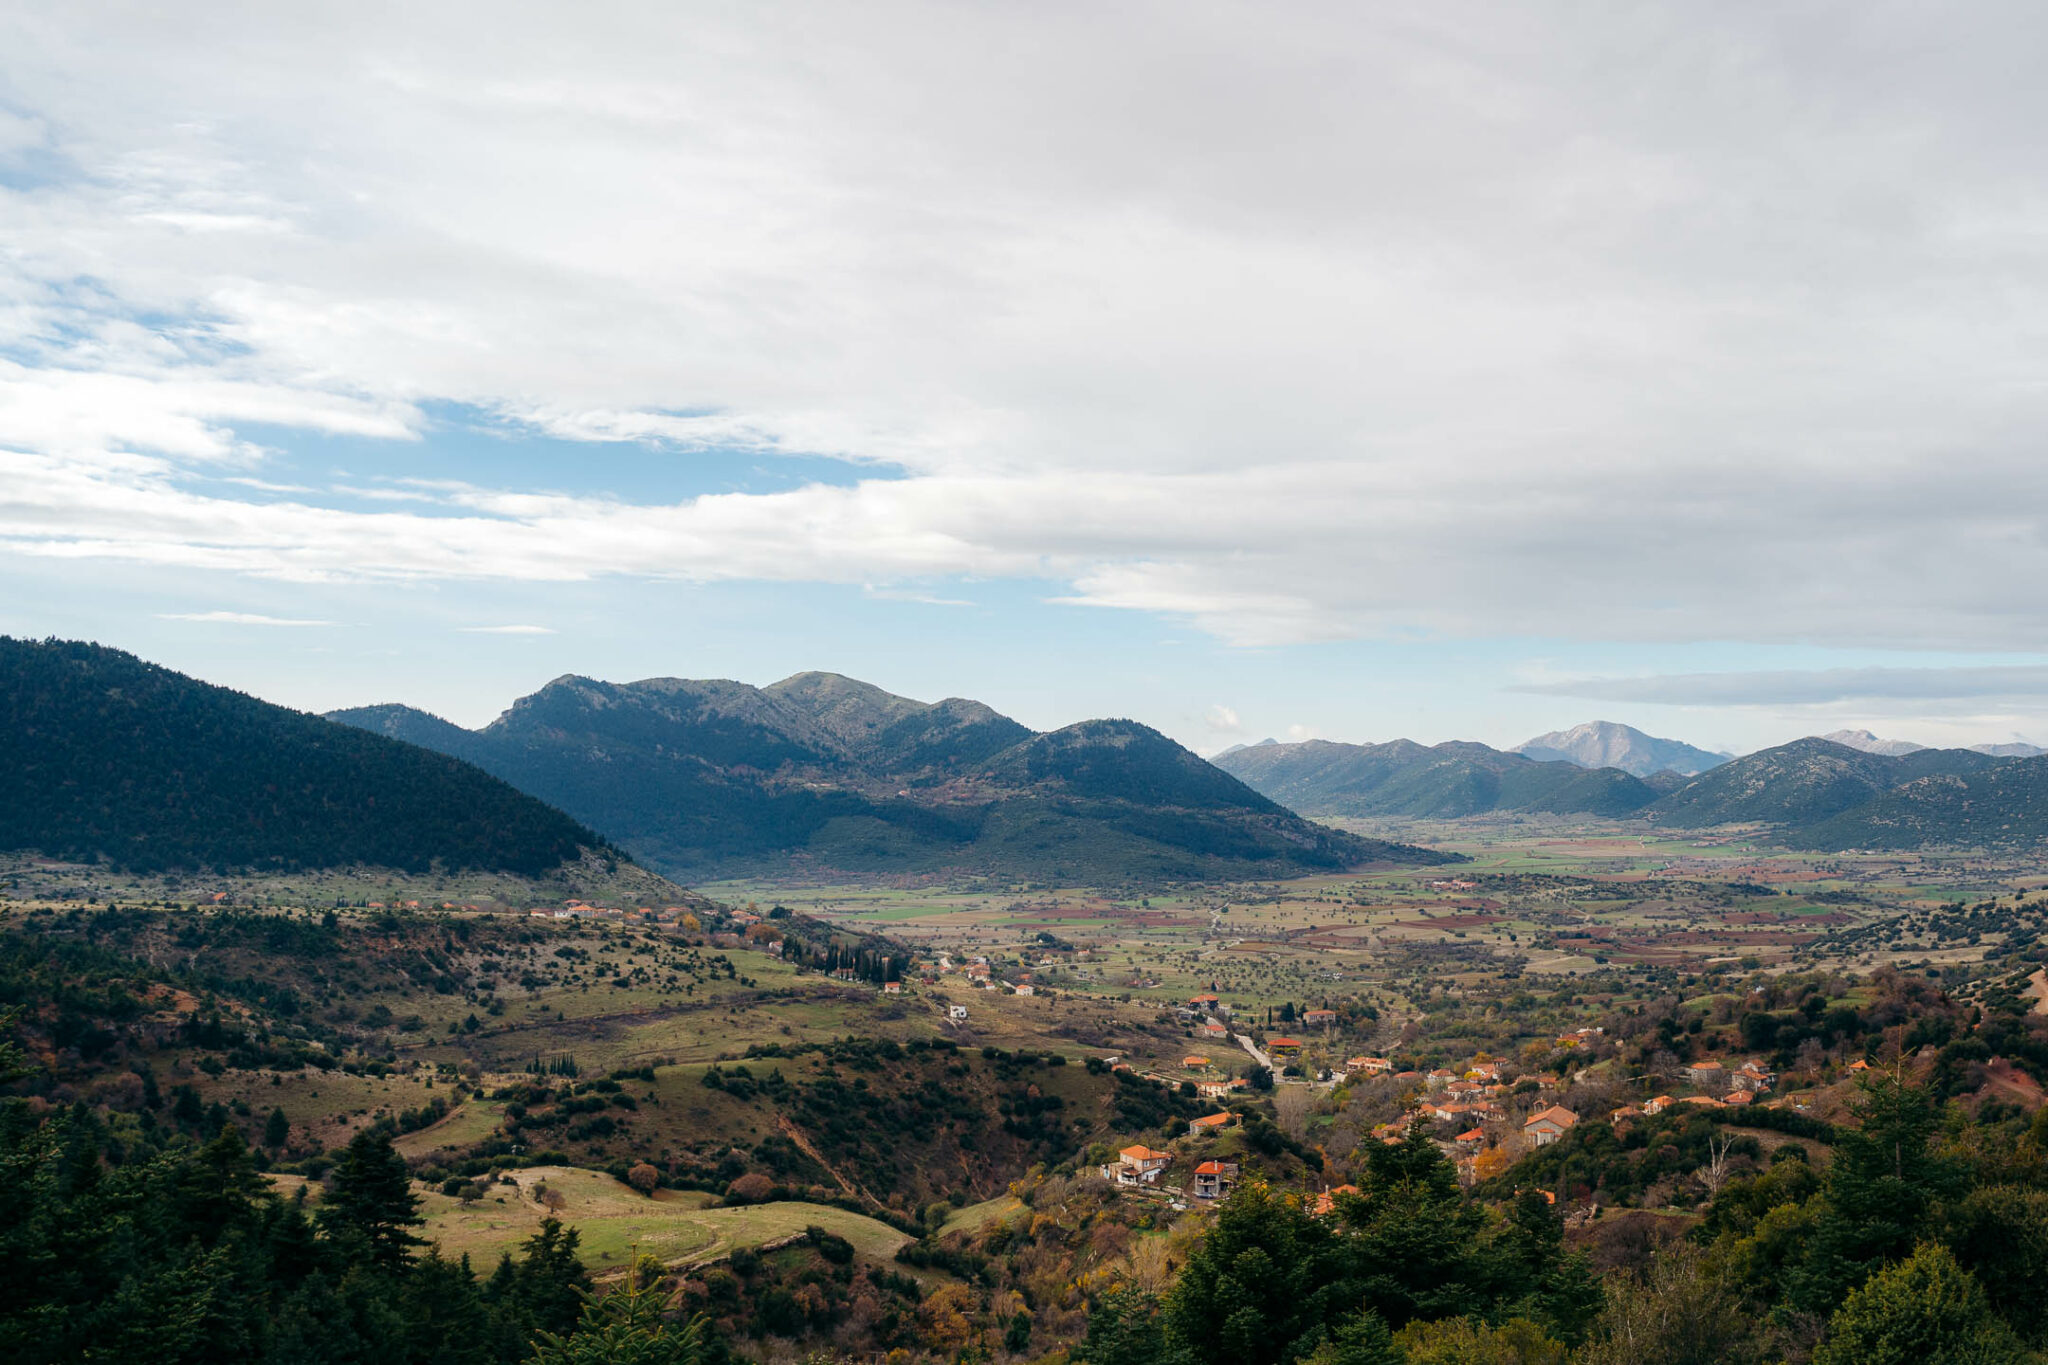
{"x": 1450, "y": 372}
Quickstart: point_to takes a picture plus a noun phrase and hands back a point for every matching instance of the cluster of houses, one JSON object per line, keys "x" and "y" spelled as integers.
{"x": 1141, "y": 1167}
{"x": 1720, "y": 1086}
{"x": 1476, "y": 1100}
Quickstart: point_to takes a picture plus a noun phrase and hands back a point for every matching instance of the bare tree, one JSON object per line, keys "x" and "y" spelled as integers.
{"x": 1715, "y": 1173}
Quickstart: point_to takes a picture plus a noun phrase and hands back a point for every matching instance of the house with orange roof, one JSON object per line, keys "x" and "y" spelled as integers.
{"x": 1209, "y": 1123}
{"x": 1658, "y": 1105}
{"x": 1371, "y": 1066}
{"x": 1708, "y": 1075}
{"x": 1194, "y": 1063}
{"x": 1137, "y": 1165}
{"x": 1283, "y": 1045}
{"x": 1546, "y": 1126}
{"x": 1212, "y": 1029}
{"x": 1213, "y": 1090}
{"x": 1213, "y": 1179}
{"x": 1319, "y": 1018}
{"x": 1326, "y": 1202}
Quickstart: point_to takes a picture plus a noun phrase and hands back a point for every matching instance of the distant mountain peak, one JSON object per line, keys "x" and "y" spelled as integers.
{"x": 1865, "y": 742}
{"x": 1608, "y": 744}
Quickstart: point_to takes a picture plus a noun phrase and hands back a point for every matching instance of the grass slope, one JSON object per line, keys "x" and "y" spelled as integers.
{"x": 616, "y": 1221}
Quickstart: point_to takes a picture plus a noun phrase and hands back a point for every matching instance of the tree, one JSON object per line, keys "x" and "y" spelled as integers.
{"x": 370, "y": 1200}
{"x": 1363, "y": 1340}
{"x": 1263, "y": 1287}
{"x": 628, "y": 1327}
{"x": 1676, "y": 1313}
{"x": 1927, "y": 1310}
{"x": 1467, "y": 1341}
{"x": 1124, "y": 1328}
{"x": 644, "y": 1178}
{"x": 1882, "y": 1184}
{"x": 549, "y": 1284}
{"x": 277, "y": 1129}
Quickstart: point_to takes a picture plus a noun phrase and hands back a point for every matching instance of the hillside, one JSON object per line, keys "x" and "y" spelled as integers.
{"x": 1604, "y": 744}
{"x": 832, "y": 775}
{"x": 1444, "y": 781}
{"x": 110, "y": 758}
{"x": 2000, "y": 806}
{"x": 1804, "y": 782}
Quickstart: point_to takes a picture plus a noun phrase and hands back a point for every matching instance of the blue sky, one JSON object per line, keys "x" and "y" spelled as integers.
{"x": 1438, "y": 378}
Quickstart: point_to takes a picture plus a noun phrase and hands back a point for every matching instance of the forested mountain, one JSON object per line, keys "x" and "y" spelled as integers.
{"x": 2002, "y": 805}
{"x": 110, "y": 758}
{"x": 1806, "y": 781}
{"x": 1403, "y": 778}
{"x": 1604, "y": 744}
{"x": 706, "y": 777}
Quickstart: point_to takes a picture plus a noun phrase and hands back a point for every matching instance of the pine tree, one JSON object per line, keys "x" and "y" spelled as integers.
{"x": 628, "y": 1327}
{"x": 370, "y": 1200}
{"x": 277, "y": 1129}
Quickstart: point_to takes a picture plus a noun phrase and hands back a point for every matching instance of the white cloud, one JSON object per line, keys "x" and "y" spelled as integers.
{"x": 236, "y": 618}
{"x": 1222, "y": 720}
{"x": 1685, "y": 328}
{"x": 505, "y": 630}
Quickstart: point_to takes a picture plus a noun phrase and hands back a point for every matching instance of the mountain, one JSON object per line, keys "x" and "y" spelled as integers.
{"x": 2014, "y": 749}
{"x": 1868, "y": 743}
{"x": 1403, "y": 778}
{"x": 109, "y": 758}
{"x": 823, "y": 772}
{"x": 2004, "y": 805}
{"x": 1804, "y": 782}
{"x": 1604, "y": 744}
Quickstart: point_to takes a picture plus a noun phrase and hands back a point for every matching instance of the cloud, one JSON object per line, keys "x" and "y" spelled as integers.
{"x": 235, "y": 618}
{"x": 1684, "y": 329}
{"x": 506, "y": 630}
{"x": 1222, "y": 720}
{"x": 1795, "y": 687}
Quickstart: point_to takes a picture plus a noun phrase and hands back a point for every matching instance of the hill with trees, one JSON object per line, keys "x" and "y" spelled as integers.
{"x": 826, "y": 773}
{"x": 1805, "y": 782}
{"x": 111, "y": 759}
{"x": 1443, "y": 781}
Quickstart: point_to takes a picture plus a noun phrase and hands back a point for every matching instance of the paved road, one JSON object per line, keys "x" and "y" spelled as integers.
{"x": 1248, "y": 1045}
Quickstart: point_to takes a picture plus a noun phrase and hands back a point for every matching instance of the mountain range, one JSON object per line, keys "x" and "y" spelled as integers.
{"x": 1815, "y": 792}
{"x": 109, "y": 759}
{"x": 705, "y": 778}
{"x": 1898, "y": 748}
